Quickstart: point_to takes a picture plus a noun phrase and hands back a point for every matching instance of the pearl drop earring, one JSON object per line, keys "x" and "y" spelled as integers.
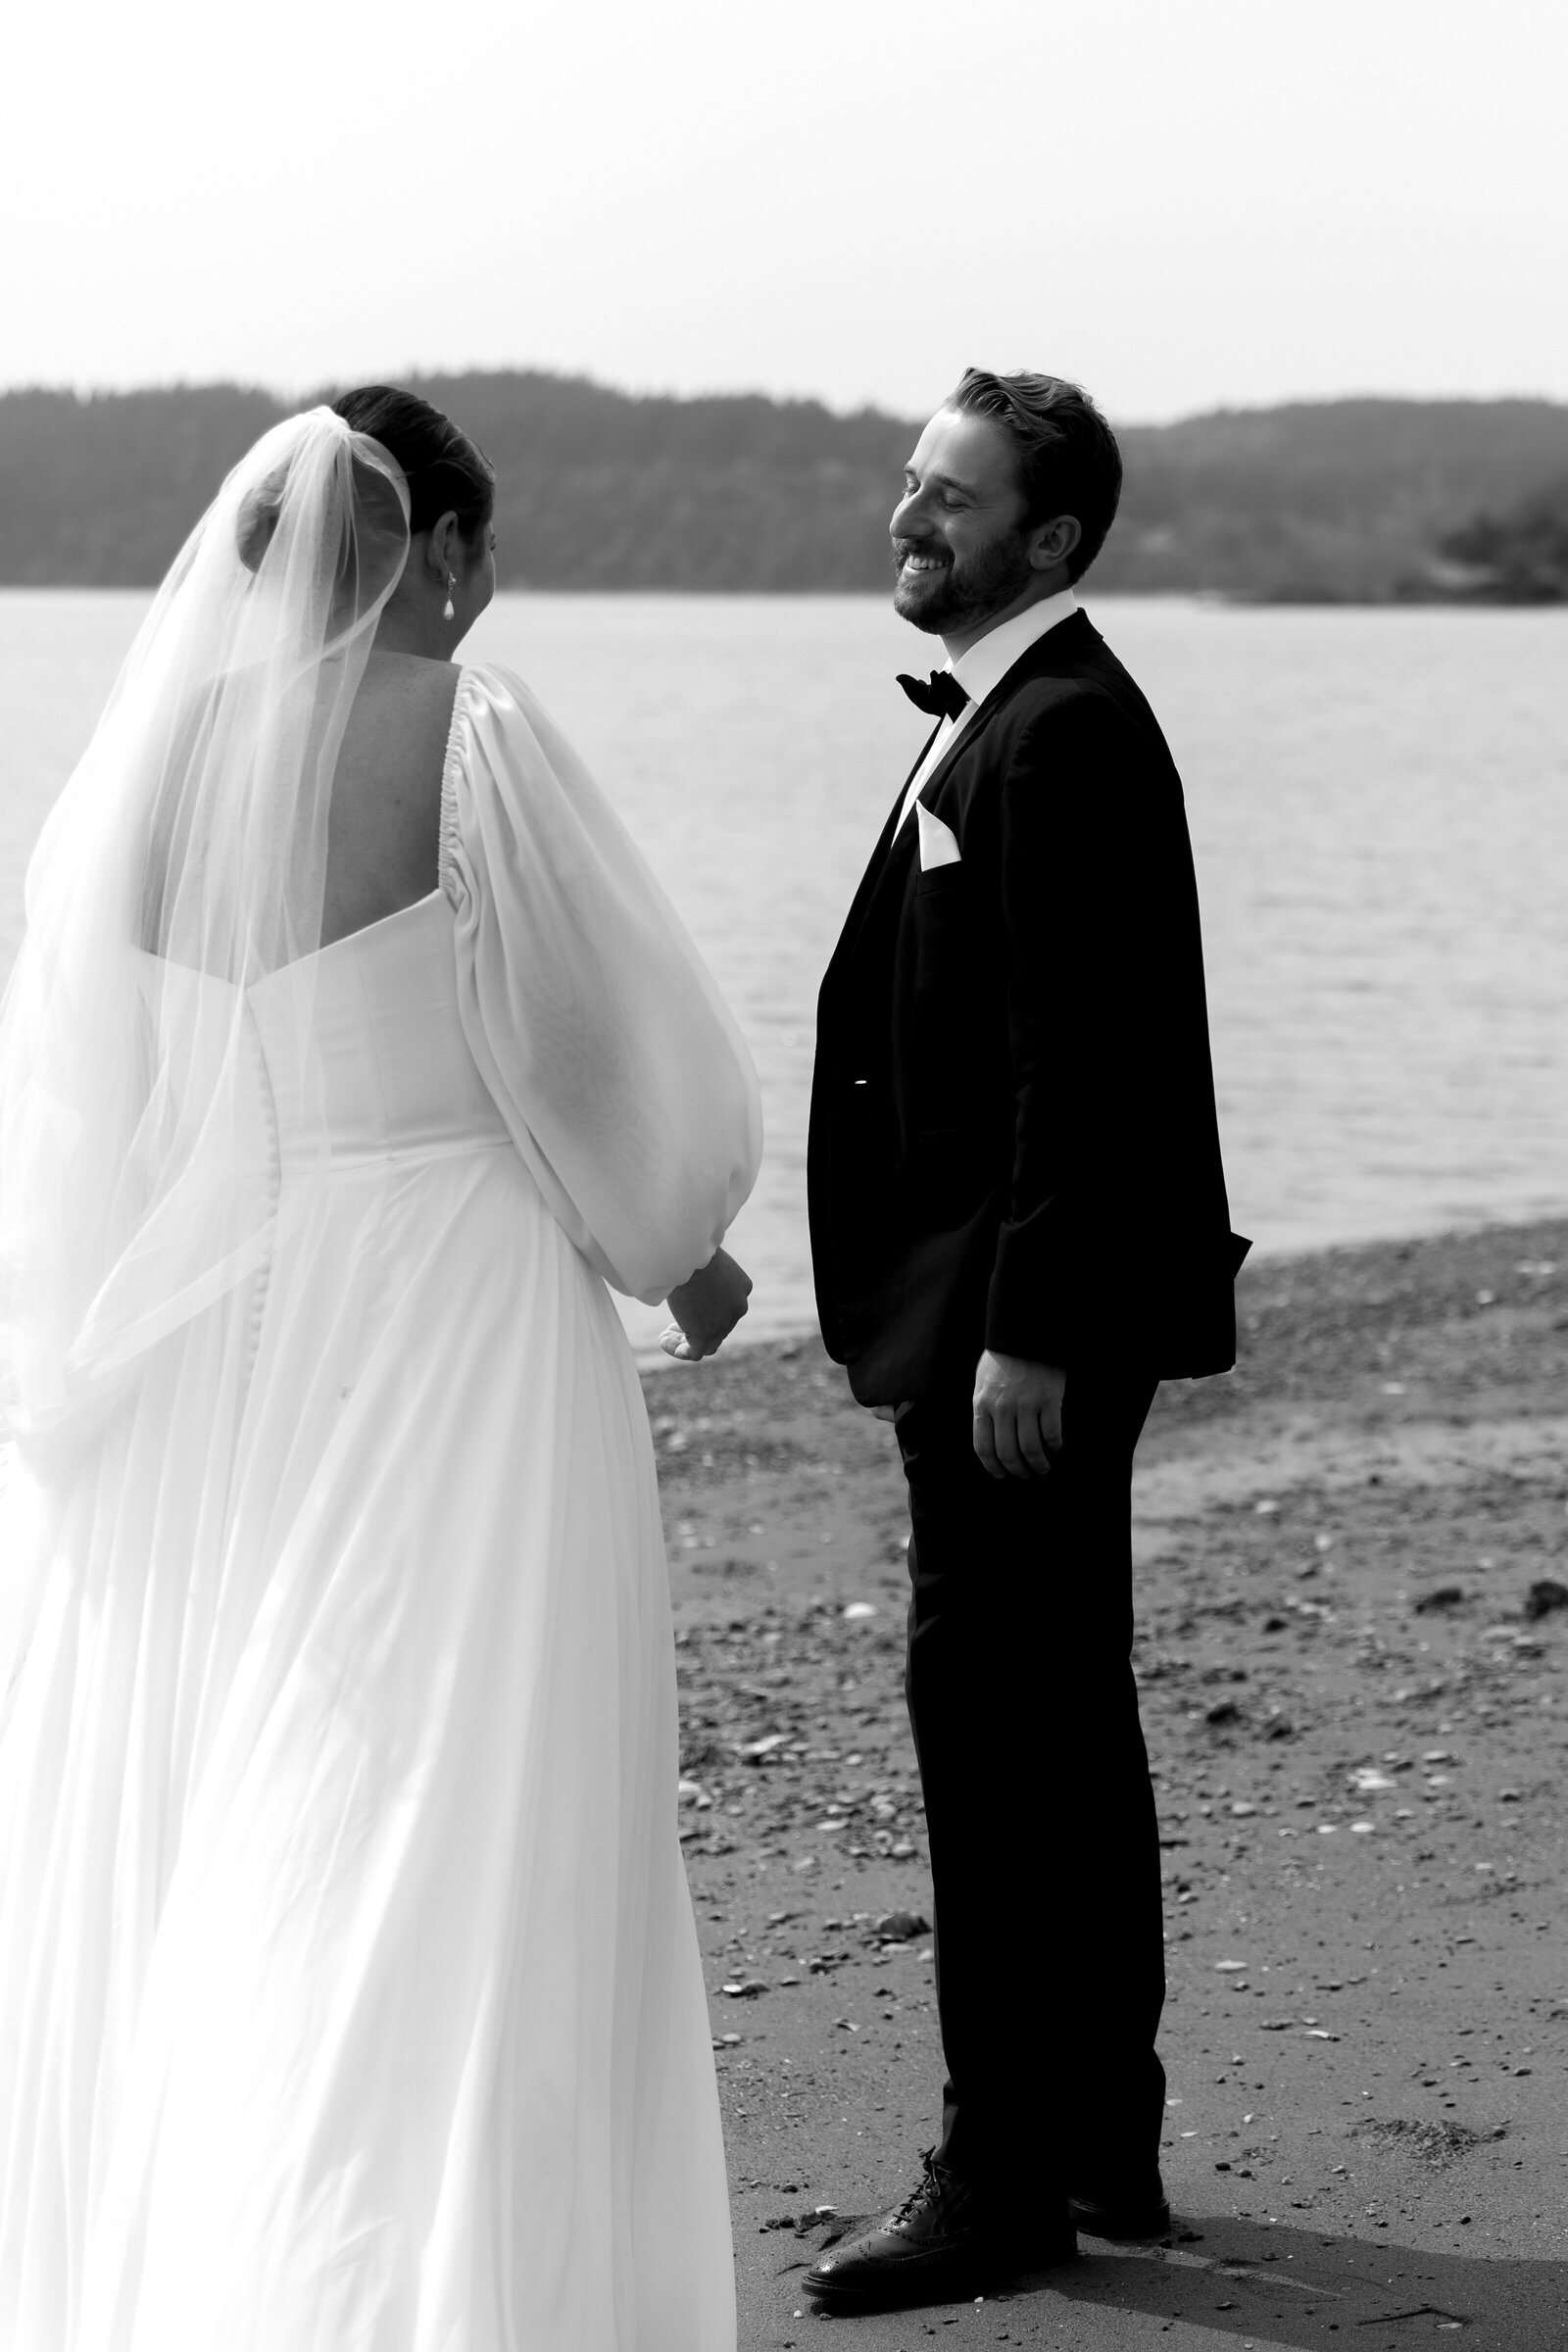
{"x": 449, "y": 610}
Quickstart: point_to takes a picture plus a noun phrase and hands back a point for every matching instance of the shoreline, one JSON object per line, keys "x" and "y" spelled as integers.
{"x": 1350, "y": 1661}
{"x": 1260, "y": 1259}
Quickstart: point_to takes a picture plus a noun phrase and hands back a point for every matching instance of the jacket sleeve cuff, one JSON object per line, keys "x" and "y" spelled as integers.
{"x": 1031, "y": 1309}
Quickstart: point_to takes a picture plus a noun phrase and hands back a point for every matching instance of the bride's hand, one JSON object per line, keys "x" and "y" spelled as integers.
{"x": 706, "y": 1308}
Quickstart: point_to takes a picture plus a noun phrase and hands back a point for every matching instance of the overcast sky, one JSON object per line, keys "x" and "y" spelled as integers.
{"x": 1185, "y": 203}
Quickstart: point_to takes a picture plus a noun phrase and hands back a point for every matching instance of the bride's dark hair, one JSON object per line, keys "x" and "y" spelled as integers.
{"x": 448, "y": 474}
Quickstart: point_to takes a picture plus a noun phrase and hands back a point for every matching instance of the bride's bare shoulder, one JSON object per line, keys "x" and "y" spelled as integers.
{"x": 407, "y": 683}
{"x": 397, "y": 729}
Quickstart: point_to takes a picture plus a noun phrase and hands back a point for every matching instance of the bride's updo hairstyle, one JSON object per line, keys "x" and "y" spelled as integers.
{"x": 446, "y": 473}
{"x": 257, "y": 519}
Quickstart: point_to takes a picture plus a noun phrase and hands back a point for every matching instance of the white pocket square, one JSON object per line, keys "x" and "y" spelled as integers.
{"x": 939, "y": 844}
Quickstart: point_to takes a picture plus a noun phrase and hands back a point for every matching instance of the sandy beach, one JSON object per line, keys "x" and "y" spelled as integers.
{"x": 1352, "y": 1599}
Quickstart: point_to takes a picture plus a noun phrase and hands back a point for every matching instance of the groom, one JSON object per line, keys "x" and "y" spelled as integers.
{"x": 1019, "y": 1228}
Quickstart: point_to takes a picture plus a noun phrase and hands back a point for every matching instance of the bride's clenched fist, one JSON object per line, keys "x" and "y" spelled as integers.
{"x": 706, "y": 1309}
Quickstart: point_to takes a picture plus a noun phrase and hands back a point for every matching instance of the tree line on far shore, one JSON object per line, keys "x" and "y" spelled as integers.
{"x": 1519, "y": 557}
{"x": 1334, "y": 501}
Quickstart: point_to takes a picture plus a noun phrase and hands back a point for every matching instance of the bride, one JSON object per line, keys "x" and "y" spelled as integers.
{"x": 350, "y": 1998}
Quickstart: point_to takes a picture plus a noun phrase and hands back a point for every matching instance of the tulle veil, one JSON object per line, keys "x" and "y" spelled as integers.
{"x": 184, "y": 860}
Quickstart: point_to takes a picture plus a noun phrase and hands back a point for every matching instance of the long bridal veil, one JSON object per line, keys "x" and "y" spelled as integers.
{"x": 184, "y": 862}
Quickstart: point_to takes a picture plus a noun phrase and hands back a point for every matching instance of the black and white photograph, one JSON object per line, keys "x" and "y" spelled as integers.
{"x": 784, "y": 1178}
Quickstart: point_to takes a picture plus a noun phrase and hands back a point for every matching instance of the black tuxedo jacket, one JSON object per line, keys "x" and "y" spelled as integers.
{"x": 1014, "y": 1142}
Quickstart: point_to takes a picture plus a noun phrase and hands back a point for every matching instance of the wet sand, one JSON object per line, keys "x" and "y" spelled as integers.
{"x": 1353, "y": 1571}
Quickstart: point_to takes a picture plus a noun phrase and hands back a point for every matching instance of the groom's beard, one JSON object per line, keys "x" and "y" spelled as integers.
{"x": 962, "y": 594}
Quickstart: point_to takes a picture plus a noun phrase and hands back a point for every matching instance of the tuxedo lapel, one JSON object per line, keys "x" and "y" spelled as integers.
{"x": 1067, "y": 651}
{"x": 883, "y": 859}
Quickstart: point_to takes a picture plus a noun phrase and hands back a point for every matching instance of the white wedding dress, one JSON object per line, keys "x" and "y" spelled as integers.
{"x": 350, "y": 1997}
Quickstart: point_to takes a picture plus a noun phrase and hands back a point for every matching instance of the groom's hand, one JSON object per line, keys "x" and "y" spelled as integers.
{"x": 706, "y": 1308}
{"x": 1017, "y": 1415}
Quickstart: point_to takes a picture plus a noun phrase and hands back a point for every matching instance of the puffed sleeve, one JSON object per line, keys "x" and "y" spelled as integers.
{"x": 621, "y": 1077}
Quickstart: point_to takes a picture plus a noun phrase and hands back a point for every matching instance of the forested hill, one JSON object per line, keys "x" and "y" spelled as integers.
{"x": 601, "y": 489}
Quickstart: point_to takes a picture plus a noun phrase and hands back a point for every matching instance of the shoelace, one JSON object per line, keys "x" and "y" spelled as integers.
{"x": 924, "y": 2191}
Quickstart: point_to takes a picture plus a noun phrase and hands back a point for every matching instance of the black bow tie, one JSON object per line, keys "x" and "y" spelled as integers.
{"x": 943, "y": 698}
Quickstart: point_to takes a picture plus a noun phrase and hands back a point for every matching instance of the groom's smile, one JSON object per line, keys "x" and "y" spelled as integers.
{"x": 959, "y": 543}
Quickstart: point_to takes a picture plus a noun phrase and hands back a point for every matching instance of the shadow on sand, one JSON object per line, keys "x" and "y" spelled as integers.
{"x": 1300, "y": 2288}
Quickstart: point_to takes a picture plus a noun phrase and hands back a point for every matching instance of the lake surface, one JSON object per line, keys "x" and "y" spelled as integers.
{"x": 1379, "y": 807}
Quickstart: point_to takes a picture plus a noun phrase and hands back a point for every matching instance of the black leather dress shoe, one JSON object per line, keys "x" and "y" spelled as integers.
{"x": 946, "y": 2240}
{"x": 1123, "y": 2219}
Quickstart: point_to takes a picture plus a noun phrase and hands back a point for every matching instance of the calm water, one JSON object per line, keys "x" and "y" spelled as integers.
{"x": 1378, "y": 803}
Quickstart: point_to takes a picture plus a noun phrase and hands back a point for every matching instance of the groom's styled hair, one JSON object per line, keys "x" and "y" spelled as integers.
{"x": 1067, "y": 454}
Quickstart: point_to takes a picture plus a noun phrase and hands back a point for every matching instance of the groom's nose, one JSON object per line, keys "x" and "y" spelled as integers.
{"x": 907, "y": 520}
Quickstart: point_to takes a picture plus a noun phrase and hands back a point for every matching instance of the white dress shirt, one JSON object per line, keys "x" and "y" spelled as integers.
{"x": 983, "y": 667}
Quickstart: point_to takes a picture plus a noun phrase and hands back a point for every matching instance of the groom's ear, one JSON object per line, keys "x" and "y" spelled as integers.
{"x": 1052, "y": 543}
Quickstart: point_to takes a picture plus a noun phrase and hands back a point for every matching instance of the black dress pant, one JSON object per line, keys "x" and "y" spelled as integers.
{"x": 1045, "y": 1851}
